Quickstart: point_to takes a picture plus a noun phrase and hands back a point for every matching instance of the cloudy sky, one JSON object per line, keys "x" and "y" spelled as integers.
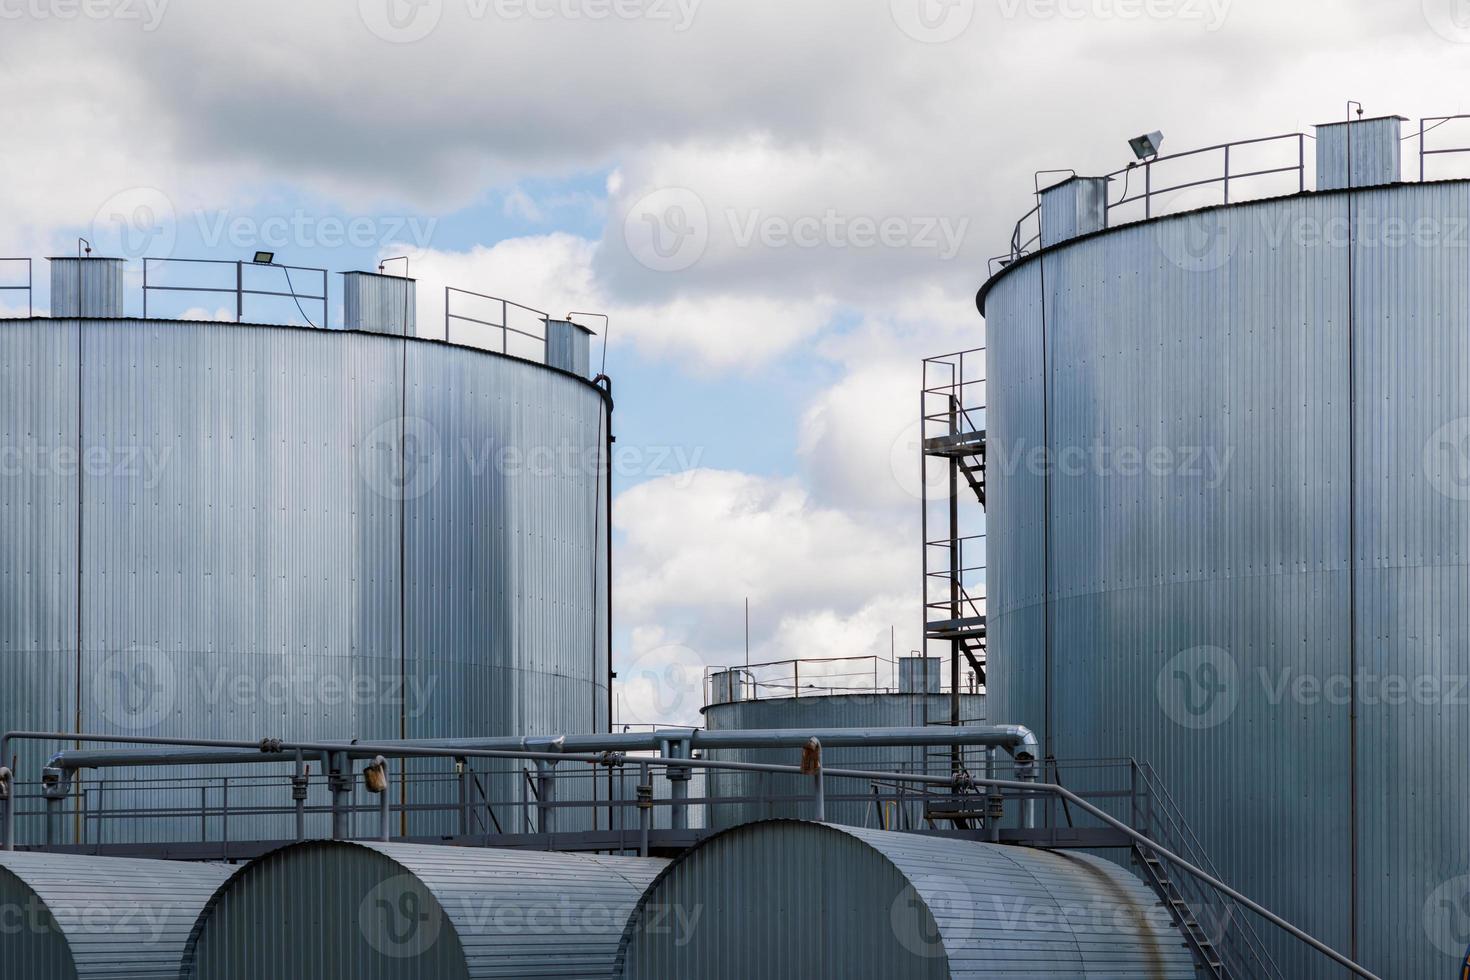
{"x": 783, "y": 205}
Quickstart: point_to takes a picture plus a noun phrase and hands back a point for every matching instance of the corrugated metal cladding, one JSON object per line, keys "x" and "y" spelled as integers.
{"x": 795, "y": 901}
{"x": 255, "y": 552}
{"x": 569, "y": 347}
{"x": 382, "y": 911}
{"x": 87, "y": 287}
{"x": 1196, "y": 608}
{"x": 379, "y": 304}
{"x": 1076, "y": 206}
{"x": 70, "y": 917}
{"x": 1376, "y": 152}
{"x": 833, "y": 711}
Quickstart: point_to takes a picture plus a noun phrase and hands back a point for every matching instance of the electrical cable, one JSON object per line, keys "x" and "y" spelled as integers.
{"x": 293, "y": 296}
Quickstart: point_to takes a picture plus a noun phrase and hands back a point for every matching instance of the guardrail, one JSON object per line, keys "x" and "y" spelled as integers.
{"x": 28, "y": 287}
{"x": 488, "y": 304}
{"x": 811, "y": 677}
{"x": 1427, "y": 125}
{"x": 240, "y": 290}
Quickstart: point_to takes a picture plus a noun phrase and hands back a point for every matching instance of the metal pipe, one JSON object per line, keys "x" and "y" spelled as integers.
{"x": 1185, "y": 866}
{"x": 339, "y": 782}
{"x": 545, "y": 797}
{"x": 677, "y": 749}
{"x": 645, "y": 807}
{"x": 7, "y": 806}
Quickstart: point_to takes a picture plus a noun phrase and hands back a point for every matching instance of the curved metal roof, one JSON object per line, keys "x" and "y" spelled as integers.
{"x": 329, "y": 909}
{"x": 80, "y": 917}
{"x": 789, "y": 899}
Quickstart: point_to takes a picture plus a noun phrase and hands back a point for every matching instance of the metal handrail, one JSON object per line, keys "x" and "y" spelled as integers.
{"x": 1020, "y": 248}
{"x": 503, "y": 326}
{"x": 28, "y": 287}
{"x": 1423, "y": 129}
{"x": 1183, "y": 838}
{"x": 239, "y": 290}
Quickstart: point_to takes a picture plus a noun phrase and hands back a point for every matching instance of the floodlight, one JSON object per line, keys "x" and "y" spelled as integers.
{"x": 1147, "y": 145}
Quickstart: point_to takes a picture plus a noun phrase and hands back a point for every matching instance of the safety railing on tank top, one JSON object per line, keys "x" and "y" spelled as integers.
{"x": 7, "y": 288}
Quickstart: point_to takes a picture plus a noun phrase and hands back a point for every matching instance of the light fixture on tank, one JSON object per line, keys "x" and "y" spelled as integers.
{"x": 1147, "y": 145}
{"x": 264, "y": 258}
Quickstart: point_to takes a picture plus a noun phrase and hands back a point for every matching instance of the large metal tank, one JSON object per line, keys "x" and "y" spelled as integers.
{"x": 1245, "y": 556}
{"x": 410, "y": 912}
{"x": 247, "y": 530}
{"x": 761, "y": 792}
{"x": 788, "y": 900}
{"x": 79, "y": 917}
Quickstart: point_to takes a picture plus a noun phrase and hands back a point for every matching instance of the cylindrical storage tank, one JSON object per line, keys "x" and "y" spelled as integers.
{"x": 1245, "y": 556}
{"x": 87, "y": 286}
{"x": 786, "y": 900}
{"x": 244, "y": 530}
{"x": 386, "y": 911}
{"x": 847, "y": 801}
{"x": 78, "y": 917}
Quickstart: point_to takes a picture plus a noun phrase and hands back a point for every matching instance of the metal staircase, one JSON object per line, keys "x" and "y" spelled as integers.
{"x": 1226, "y": 949}
{"x": 952, "y": 424}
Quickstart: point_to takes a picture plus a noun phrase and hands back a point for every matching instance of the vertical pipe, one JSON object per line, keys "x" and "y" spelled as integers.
{"x": 7, "y": 805}
{"x": 224, "y": 813}
{"x": 821, "y": 792}
{"x": 53, "y": 814}
{"x": 464, "y": 797}
{"x": 298, "y": 795}
{"x": 385, "y": 812}
{"x": 339, "y": 782}
{"x": 546, "y": 795}
{"x": 645, "y": 807}
{"x": 679, "y": 785}
{"x": 203, "y": 812}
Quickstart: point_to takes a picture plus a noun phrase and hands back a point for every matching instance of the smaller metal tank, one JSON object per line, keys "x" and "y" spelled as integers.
{"x": 411, "y": 912}
{"x": 77, "y": 917}
{"x": 848, "y": 802}
{"x": 786, "y": 900}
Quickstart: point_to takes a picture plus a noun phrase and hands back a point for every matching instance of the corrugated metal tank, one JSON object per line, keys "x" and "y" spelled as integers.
{"x": 326, "y": 910}
{"x": 77, "y": 917}
{"x": 830, "y": 711}
{"x": 1247, "y": 536}
{"x": 244, "y": 530}
{"x": 787, "y": 900}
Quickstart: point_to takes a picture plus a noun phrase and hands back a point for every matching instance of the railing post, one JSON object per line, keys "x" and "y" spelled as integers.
{"x": 1148, "y": 189}
{"x": 145, "y": 282}
{"x": 504, "y": 326}
{"x": 7, "y": 806}
{"x": 462, "y": 770}
{"x": 446, "y": 314}
{"x": 1421, "y": 151}
{"x": 1227, "y": 173}
{"x": 1301, "y": 162}
{"x": 239, "y": 292}
{"x": 224, "y": 814}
